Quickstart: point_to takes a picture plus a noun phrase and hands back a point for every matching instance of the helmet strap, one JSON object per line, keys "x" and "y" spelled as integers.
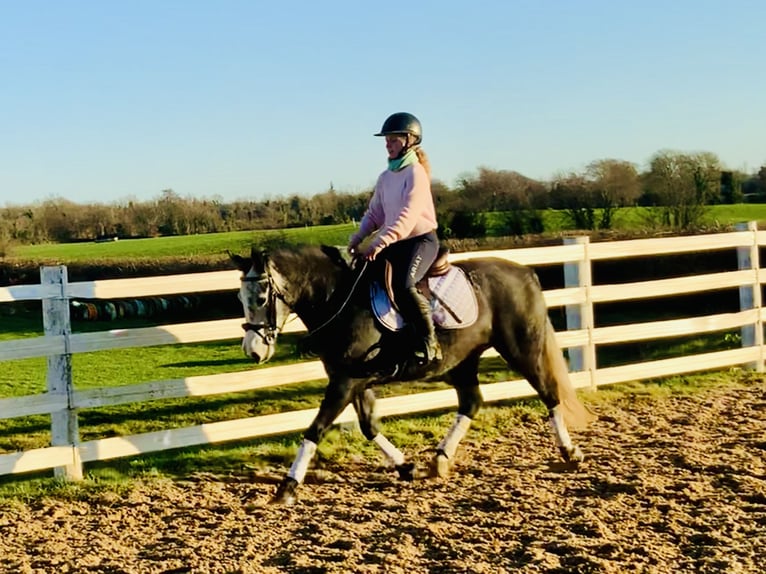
{"x": 409, "y": 143}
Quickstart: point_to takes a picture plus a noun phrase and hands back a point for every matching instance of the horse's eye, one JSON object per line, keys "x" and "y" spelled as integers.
{"x": 261, "y": 300}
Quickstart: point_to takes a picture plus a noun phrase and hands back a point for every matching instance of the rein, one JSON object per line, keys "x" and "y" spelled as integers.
{"x": 268, "y": 330}
{"x": 345, "y": 301}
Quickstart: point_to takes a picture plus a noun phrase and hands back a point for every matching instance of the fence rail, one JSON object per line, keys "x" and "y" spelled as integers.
{"x": 62, "y": 400}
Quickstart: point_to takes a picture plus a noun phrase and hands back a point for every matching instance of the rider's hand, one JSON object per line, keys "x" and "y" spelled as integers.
{"x": 353, "y": 244}
{"x": 372, "y": 252}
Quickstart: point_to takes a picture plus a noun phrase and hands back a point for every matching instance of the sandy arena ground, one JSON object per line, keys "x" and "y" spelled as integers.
{"x": 671, "y": 485}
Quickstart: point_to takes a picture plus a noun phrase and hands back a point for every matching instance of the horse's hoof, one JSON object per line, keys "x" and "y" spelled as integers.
{"x": 285, "y": 495}
{"x": 405, "y": 471}
{"x": 440, "y": 466}
{"x": 572, "y": 455}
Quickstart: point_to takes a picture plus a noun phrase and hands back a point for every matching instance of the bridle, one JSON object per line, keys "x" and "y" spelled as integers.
{"x": 269, "y": 329}
{"x": 266, "y": 330}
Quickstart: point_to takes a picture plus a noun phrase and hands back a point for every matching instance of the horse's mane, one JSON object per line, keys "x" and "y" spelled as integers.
{"x": 310, "y": 268}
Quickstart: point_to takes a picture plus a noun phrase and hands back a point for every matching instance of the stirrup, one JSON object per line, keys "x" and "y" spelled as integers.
{"x": 427, "y": 354}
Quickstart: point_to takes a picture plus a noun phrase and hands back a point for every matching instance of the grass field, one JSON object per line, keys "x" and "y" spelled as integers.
{"x": 715, "y": 216}
{"x": 217, "y": 244}
{"x": 186, "y": 246}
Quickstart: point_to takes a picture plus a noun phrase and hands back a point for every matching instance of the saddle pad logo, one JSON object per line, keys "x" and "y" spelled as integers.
{"x": 453, "y": 302}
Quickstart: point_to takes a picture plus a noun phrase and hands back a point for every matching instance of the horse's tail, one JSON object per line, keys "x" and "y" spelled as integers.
{"x": 575, "y": 413}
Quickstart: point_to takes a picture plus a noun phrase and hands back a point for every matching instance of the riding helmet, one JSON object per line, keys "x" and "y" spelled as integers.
{"x": 402, "y": 123}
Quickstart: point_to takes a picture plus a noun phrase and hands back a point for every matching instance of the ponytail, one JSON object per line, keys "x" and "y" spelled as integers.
{"x": 423, "y": 159}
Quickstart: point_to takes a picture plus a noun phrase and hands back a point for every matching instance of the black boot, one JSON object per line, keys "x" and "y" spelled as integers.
{"x": 417, "y": 310}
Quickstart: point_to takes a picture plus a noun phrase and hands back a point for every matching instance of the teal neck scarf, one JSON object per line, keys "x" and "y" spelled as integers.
{"x": 400, "y": 163}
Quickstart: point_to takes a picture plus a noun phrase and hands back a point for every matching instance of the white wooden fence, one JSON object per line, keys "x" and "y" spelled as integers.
{"x": 62, "y": 400}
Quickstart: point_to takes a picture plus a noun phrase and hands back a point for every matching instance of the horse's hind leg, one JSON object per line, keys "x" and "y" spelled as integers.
{"x": 364, "y": 404}
{"x": 538, "y": 357}
{"x": 568, "y": 408}
{"x": 465, "y": 379}
{"x": 547, "y": 389}
{"x": 569, "y": 451}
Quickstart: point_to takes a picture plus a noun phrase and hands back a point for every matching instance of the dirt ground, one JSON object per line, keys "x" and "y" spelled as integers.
{"x": 671, "y": 485}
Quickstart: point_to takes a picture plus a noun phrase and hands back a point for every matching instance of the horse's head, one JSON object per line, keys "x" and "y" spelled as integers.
{"x": 263, "y": 304}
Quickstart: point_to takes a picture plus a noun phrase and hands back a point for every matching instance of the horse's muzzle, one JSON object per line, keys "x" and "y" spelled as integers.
{"x": 259, "y": 342}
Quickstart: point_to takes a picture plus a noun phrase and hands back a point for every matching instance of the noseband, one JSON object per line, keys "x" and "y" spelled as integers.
{"x": 266, "y": 330}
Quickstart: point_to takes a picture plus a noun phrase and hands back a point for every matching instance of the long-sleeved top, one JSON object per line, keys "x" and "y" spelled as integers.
{"x": 401, "y": 207}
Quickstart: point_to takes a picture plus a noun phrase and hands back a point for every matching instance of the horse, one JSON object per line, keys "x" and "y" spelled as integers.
{"x": 331, "y": 296}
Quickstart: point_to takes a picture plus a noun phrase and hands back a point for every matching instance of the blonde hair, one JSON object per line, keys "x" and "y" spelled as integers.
{"x": 420, "y": 152}
{"x": 423, "y": 159}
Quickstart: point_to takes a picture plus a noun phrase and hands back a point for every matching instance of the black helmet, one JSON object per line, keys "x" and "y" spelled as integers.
{"x": 402, "y": 123}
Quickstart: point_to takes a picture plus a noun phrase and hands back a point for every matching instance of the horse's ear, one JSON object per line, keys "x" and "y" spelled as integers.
{"x": 241, "y": 263}
{"x": 335, "y": 255}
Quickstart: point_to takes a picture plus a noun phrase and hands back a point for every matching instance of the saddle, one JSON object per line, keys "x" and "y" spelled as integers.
{"x": 447, "y": 288}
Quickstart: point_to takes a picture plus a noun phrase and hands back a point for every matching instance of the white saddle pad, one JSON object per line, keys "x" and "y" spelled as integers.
{"x": 453, "y": 302}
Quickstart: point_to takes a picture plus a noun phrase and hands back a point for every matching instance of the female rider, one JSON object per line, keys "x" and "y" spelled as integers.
{"x": 402, "y": 212}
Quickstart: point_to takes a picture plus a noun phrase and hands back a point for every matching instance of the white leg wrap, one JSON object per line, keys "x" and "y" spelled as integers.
{"x": 393, "y": 453}
{"x": 560, "y": 432}
{"x": 302, "y": 459}
{"x": 454, "y": 435}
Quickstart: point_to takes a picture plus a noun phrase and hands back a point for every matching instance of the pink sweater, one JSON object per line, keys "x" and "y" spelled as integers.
{"x": 401, "y": 207}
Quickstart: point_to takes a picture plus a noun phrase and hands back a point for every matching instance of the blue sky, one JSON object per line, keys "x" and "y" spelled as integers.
{"x": 106, "y": 101}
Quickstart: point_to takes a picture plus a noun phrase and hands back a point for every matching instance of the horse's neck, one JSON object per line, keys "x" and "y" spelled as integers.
{"x": 315, "y": 297}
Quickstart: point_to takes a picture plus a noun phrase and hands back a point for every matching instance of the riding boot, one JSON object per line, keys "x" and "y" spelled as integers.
{"x": 417, "y": 310}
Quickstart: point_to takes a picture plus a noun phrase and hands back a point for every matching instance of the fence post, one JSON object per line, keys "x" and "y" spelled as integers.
{"x": 64, "y": 427}
{"x": 750, "y": 295}
{"x": 578, "y": 274}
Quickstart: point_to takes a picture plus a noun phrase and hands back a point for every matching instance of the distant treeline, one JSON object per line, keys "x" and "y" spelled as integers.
{"x": 679, "y": 184}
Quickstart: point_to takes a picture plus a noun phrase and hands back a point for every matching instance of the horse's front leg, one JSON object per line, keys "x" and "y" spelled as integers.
{"x": 465, "y": 379}
{"x": 364, "y": 404}
{"x": 337, "y": 396}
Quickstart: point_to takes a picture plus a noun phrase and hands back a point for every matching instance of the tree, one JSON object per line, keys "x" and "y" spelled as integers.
{"x": 573, "y": 194}
{"x": 169, "y": 212}
{"x": 516, "y": 196}
{"x": 499, "y": 190}
{"x": 681, "y": 185}
{"x": 58, "y": 220}
{"x": 732, "y": 187}
{"x": 590, "y": 199}
{"x": 143, "y": 220}
{"x": 614, "y": 183}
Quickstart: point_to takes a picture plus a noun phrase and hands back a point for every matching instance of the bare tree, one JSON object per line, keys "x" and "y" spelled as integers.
{"x": 514, "y": 197}
{"x": 573, "y": 194}
{"x": 681, "y": 186}
{"x": 614, "y": 183}
{"x": 500, "y": 190}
